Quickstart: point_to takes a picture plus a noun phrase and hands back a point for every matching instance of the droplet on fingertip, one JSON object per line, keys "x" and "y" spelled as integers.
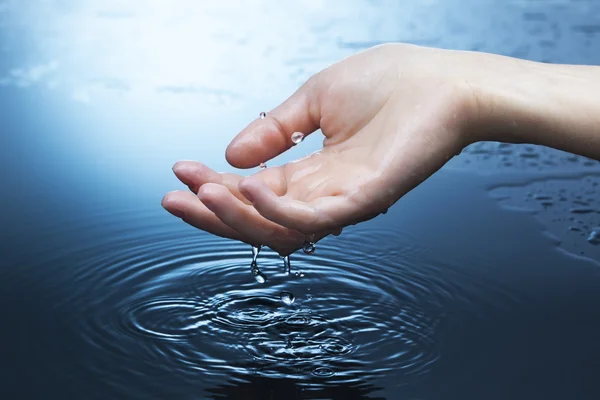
{"x": 262, "y": 115}
{"x": 297, "y": 137}
{"x": 309, "y": 247}
{"x": 255, "y": 251}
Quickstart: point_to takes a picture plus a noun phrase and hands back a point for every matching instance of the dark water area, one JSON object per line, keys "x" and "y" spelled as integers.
{"x": 482, "y": 283}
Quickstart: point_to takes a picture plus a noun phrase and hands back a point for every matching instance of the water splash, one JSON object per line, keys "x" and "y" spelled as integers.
{"x": 196, "y": 312}
{"x": 287, "y": 298}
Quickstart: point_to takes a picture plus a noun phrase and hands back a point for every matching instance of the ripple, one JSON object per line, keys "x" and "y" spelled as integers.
{"x": 169, "y": 319}
{"x": 189, "y": 303}
{"x": 323, "y": 372}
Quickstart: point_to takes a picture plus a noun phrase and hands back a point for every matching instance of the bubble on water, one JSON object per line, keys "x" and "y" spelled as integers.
{"x": 594, "y": 237}
{"x": 323, "y": 372}
{"x": 287, "y": 297}
{"x": 263, "y": 165}
{"x": 297, "y": 137}
{"x": 262, "y": 115}
{"x": 298, "y": 320}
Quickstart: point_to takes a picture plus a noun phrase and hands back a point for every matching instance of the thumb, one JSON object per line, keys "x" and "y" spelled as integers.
{"x": 270, "y": 136}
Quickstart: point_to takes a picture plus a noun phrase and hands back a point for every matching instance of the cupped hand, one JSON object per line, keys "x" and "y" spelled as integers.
{"x": 391, "y": 117}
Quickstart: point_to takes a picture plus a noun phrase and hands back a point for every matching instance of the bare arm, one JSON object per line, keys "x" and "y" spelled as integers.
{"x": 548, "y": 104}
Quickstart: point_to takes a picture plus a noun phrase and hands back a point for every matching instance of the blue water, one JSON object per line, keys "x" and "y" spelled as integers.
{"x": 479, "y": 284}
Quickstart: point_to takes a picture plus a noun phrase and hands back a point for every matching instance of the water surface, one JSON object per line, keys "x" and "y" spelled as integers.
{"x": 480, "y": 284}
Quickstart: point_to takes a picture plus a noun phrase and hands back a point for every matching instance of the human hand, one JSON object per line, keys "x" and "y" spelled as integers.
{"x": 391, "y": 117}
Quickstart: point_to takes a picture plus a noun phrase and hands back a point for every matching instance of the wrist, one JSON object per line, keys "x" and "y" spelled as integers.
{"x": 527, "y": 102}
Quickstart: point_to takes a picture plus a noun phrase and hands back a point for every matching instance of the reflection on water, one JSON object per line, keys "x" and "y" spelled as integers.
{"x": 187, "y": 304}
{"x": 448, "y": 296}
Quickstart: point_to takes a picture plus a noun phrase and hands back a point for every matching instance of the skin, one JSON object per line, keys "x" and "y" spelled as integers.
{"x": 391, "y": 117}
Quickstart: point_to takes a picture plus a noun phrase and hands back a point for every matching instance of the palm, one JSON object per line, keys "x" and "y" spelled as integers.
{"x": 221, "y": 209}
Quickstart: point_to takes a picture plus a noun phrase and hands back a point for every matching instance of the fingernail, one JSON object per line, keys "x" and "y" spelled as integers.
{"x": 177, "y": 166}
{"x": 180, "y": 166}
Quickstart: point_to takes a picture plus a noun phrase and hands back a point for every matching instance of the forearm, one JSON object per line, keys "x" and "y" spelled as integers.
{"x": 548, "y": 104}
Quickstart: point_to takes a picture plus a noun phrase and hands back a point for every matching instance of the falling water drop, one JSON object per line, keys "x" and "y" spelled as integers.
{"x": 258, "y": 275}
{"x": 263, "y": 165}
{"x": 297, "y": 137}
{"x": 263, "y": 115}
{"x": 255, "y": 251}
{"x": 286, "y": 264}
{"x": 287, "y": 298}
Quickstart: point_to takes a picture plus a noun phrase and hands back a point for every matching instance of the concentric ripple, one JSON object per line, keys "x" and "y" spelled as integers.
{"x": 188, "y": 303}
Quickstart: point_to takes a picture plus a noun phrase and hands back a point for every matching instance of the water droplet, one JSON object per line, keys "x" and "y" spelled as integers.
{"x": 297, "y": 137}
{"x": 262, "y": 115}
{"x": 594, "y": 237}
{"x": 309, "y": 247}
{"x": 255, "y": 251}
{"x": 287, "y": 298}
{"x": 258, "y": 275}
{"x": 263, "y": 165}
{"x": 286, "y": 264}
{"x": 309, "y": 297}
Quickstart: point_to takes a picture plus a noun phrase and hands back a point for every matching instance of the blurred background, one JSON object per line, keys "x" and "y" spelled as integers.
{"x": 486, "y": 277}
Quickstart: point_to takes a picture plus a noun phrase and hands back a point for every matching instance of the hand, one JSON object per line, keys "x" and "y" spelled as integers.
{"x": 391, "y": 117}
